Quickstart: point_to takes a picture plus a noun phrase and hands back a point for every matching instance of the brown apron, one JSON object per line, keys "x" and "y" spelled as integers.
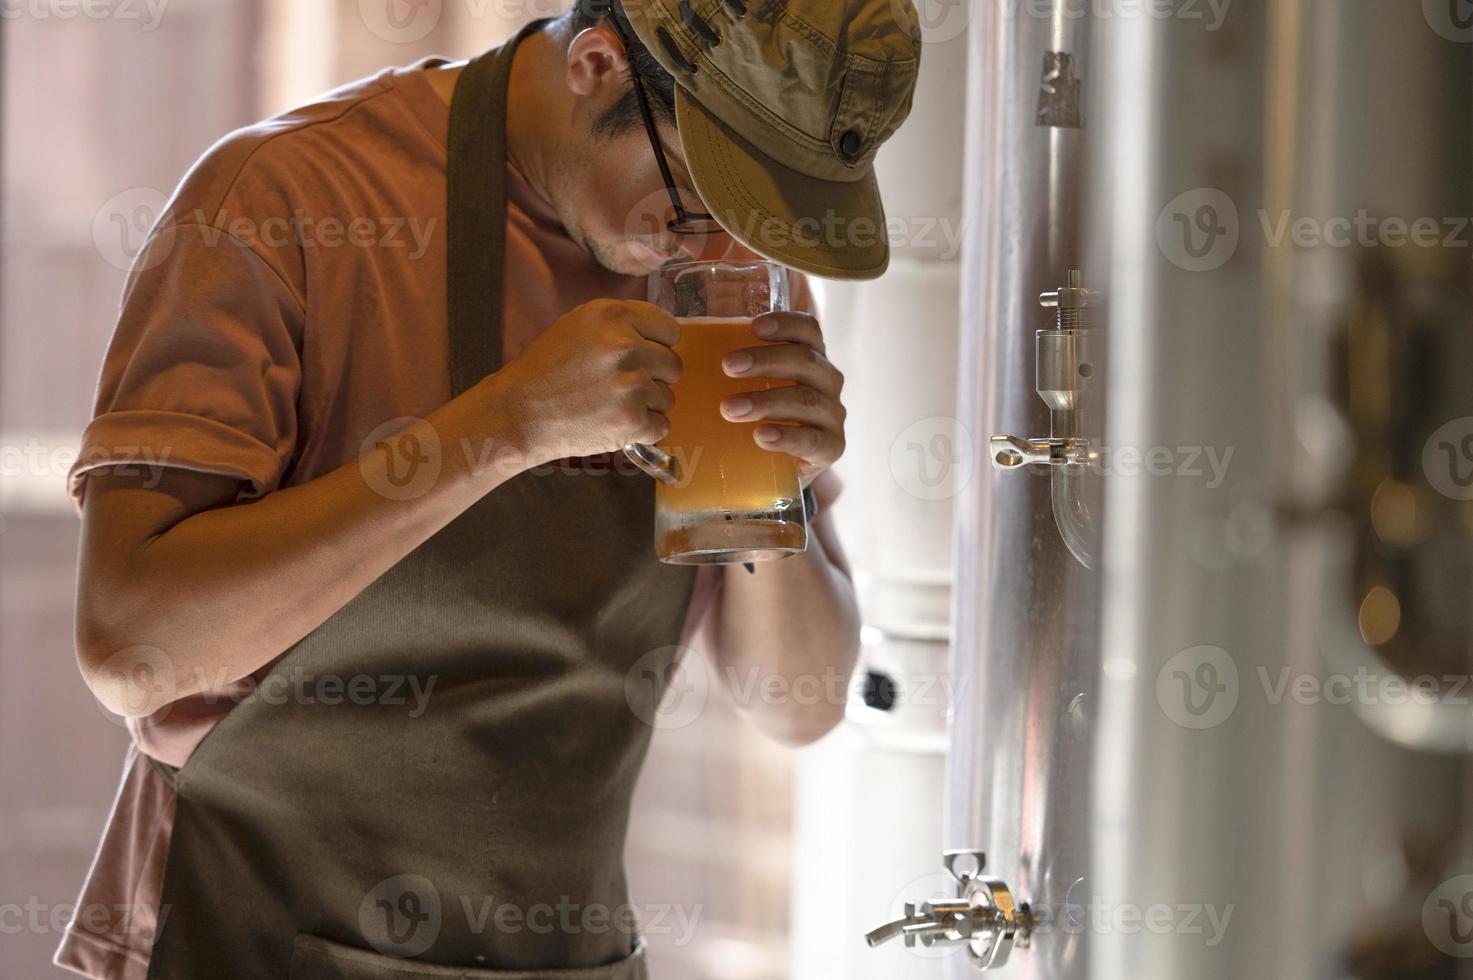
{"x": 334, "y": 836}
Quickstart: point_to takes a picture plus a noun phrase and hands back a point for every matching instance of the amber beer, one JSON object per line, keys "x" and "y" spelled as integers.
{"x": 728, "y": 482}
{"x": 721, "y": 498}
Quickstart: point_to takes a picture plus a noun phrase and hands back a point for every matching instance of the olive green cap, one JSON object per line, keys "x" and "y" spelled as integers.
{"x": 781, "y": 106}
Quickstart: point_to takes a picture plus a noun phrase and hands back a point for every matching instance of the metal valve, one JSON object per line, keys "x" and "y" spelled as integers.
{"x": 984, "y": 918}
{"x": 1064, "y": 370}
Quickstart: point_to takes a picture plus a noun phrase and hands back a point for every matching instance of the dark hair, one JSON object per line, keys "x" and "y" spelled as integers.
{"x": 659, "y": 85}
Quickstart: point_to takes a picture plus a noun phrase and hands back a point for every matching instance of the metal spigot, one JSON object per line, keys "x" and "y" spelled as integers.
{"x": 1010, "y": 452}
{"x": 984, "y": 918}
{"x": 1072, "y": 302}
{"x": 1063, "y": 373}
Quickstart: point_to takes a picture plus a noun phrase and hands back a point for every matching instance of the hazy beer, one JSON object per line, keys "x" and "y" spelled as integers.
{"x": 720, "y": 496}
{"x": 727, "y": 481}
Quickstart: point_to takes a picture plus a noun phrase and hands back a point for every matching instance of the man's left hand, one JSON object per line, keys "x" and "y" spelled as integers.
{"x": 809, "y": 413}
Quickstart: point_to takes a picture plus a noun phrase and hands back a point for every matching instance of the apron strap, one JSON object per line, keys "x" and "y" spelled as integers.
{"x": 476, "y": 213}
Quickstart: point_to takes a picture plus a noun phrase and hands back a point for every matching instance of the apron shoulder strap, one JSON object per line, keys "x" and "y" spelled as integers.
{"x": 476, "y": 213}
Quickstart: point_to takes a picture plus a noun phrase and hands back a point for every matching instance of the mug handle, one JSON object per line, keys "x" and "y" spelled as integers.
{"x": 654, "y": 461}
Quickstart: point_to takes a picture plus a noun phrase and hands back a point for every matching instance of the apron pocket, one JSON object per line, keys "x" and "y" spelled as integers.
{"x": 315, "y": 958}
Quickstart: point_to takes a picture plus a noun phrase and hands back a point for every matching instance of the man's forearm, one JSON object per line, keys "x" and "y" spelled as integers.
{"x": 260, "y": 576}
{"x": 788, "y": 638}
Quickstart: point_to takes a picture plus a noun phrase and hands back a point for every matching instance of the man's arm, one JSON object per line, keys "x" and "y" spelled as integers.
{"x": 788, "y": 634}
{"x": 181, "y": 590}
{"x": 785, "y": 638}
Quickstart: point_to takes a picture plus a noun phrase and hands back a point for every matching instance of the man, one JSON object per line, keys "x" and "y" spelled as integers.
{"x": 378, "y": 627}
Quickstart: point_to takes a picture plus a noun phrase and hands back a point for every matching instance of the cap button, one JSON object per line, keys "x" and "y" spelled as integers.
{"x": 851, "y": 143}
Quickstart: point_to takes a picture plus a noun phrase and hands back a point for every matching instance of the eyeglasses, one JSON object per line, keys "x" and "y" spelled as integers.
{"x": 685, "y": 222}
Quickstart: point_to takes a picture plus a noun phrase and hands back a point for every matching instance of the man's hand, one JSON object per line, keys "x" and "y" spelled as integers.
{"x": 596, "y": 380}
{"x": 813, "y": 416}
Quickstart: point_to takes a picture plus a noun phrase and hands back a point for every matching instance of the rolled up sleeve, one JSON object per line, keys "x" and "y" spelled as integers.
{"x": 204, "y": 367}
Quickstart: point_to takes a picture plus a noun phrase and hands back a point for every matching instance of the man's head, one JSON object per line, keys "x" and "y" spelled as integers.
{"x": 769, "y": 113}
{"x": 606, "y": 182}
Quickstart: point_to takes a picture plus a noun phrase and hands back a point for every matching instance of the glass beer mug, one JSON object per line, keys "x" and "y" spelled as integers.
{"x": 720, "y": 498}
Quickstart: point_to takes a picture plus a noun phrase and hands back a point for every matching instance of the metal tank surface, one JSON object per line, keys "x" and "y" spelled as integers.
{"x": 1023, "y": 624}
{"x": 1260, "y": 810}
{"x": 1024, "y": 620}
{"x": 1232, "y": 492}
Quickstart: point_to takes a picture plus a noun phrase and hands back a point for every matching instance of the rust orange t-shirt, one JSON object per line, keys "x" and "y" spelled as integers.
{"x": 290, "y": 300}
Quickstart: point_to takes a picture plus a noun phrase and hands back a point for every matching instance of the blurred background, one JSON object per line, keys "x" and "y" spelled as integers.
{"x": 1159, "y": 490}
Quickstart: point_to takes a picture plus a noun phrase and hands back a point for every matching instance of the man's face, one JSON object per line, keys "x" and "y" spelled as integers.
{"x": 609, "y": 192}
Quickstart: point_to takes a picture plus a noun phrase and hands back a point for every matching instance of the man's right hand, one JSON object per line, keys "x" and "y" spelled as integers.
{"x": 595, "y": 380}
{"x": 260, "y": 575}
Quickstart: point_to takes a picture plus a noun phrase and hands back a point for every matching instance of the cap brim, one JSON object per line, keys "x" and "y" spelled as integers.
{"x": 831, "y": 229}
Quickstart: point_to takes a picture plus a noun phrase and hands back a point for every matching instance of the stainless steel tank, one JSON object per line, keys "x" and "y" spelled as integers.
{"x": 1023, "y": 623}
{"x": 1236, "y": 489}
{"x": 1285, "y": 817}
